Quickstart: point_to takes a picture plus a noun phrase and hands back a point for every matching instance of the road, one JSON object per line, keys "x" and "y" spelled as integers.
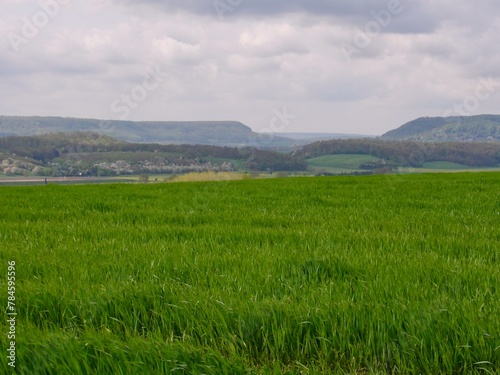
{"x": 57, "y": 180}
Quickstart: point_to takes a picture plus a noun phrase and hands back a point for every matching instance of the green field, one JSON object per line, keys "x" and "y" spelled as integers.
{"x": 444, "y": 165}
{"x": 347, "y": 163}
{"x": 341, "y": 275}
{"x": 339, "y": 163}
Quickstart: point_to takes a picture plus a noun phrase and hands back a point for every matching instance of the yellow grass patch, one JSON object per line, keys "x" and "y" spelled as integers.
{"x": 211, "y": 176}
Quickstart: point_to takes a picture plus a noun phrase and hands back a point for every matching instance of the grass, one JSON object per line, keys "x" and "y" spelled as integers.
{"x": 434, "y": 168}
{"x": 343, "y": 275}
{"x": 444, "y": 165}
{"x": 339, "y": 163}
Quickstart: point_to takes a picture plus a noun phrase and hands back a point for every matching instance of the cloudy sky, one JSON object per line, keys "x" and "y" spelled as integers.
{"x": 337, "y": 66}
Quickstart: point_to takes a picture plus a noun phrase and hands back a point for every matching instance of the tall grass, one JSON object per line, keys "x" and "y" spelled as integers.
{"x": 211, "y": 176}
{"x": 366, "y": 275}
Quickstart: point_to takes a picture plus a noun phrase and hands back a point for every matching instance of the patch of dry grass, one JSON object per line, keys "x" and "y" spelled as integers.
{"x": 211, "y": 176}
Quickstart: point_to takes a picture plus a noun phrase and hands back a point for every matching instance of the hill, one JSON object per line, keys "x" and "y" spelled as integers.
{"x": 449, "y": 129}
{"x": 221, "y": 133}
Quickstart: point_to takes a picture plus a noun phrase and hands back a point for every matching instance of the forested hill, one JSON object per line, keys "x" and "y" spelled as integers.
{"x": 449, "y": 129}
{"x": 223, "y": 133}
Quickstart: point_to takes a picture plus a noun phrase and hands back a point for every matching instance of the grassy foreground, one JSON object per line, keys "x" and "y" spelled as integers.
{"x": 355, "y": 275}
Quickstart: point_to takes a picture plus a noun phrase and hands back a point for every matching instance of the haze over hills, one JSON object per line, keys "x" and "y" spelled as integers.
{"x": 312, "y": 137}
{"x": 172, "y": 132}
{"x": 478, "y": 128}
{"x": 220, "y": 133}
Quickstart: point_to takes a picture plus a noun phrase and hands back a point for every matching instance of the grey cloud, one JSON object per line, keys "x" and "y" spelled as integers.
{"x": 262, "y": 7}
{"x": 414, "y": 18}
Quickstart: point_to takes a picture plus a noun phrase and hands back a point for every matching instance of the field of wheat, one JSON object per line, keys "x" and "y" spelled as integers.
{"x": 340, "y": 275}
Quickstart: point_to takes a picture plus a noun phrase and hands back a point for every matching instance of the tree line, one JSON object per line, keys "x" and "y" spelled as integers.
{"x": 46, "y": 148}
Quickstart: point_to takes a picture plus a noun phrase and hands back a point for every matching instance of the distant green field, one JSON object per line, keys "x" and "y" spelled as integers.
{"x": 339, "y": 163}
{"x": 328, "y": 275}
{"x": 444, "y": 165}
{"x": 350, "y": 163}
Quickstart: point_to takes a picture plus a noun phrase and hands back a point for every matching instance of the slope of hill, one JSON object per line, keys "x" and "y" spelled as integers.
{"x": 449, "y": 129}
{"x": 223, "y": 133}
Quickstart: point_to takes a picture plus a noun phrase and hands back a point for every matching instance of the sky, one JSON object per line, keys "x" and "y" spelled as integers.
{"x": 330, "y": 66}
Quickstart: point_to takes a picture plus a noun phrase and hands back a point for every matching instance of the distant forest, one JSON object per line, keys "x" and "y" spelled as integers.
{"x": 78, "y": 153}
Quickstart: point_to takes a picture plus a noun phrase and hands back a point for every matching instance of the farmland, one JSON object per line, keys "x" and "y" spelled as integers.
{"x": 339, "y": 163}
{"x": 369, "y": 275}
